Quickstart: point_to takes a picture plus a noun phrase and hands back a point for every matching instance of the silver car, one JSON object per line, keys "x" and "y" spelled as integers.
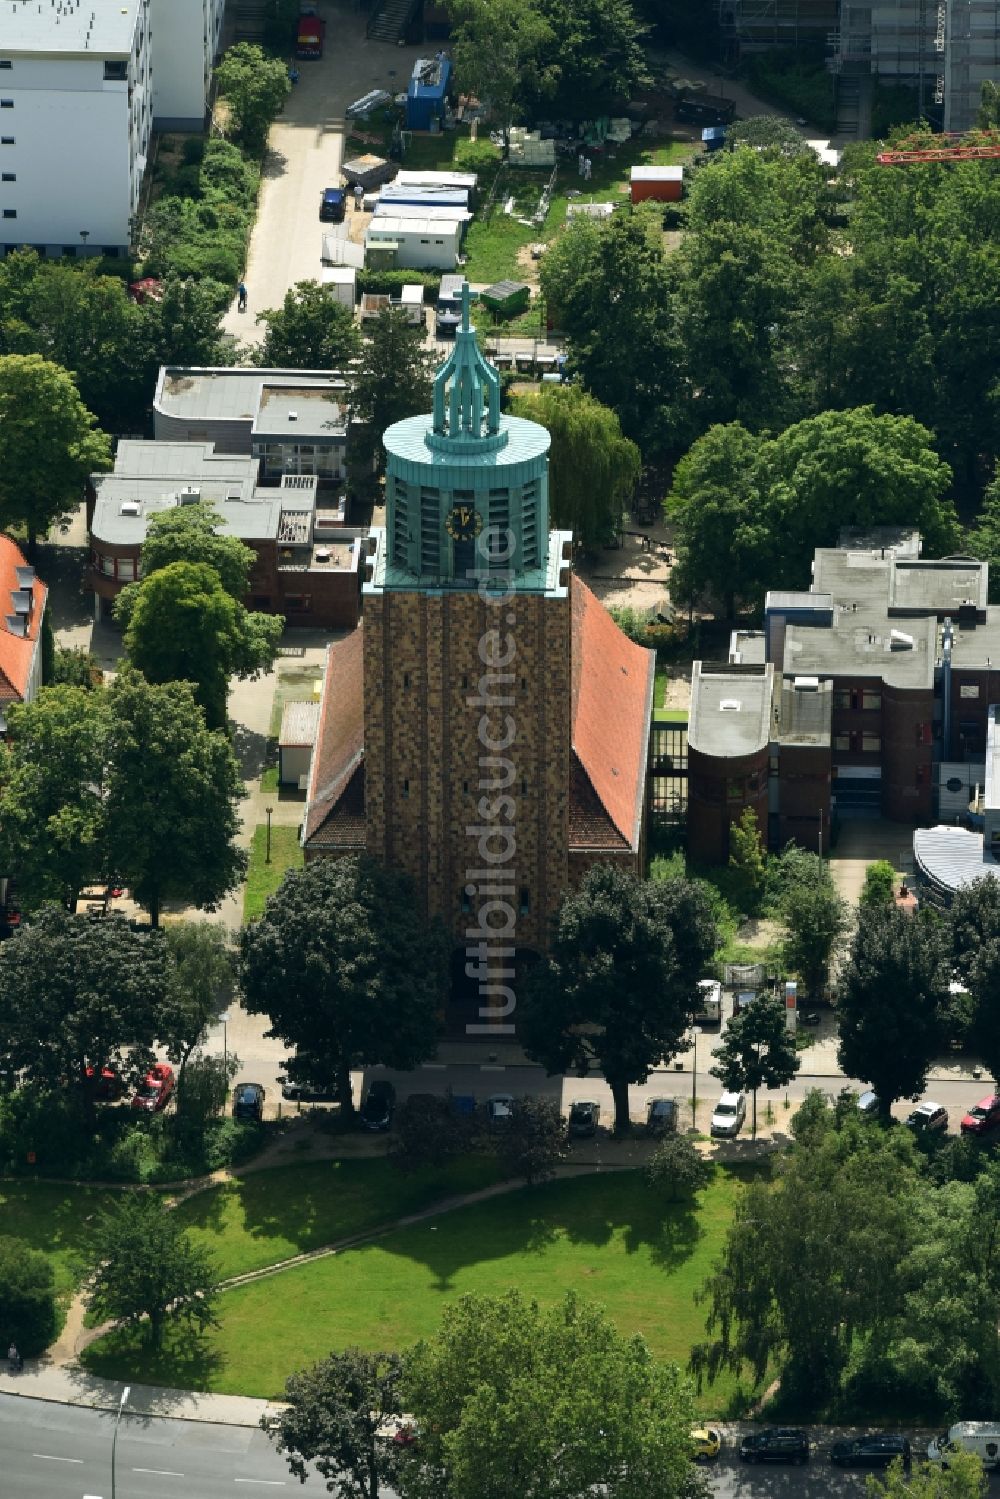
{"x": 730, "y": 1112}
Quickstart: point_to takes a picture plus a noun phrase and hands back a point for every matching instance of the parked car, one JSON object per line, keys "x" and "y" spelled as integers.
{"x": 248, "y": 1102}
{"x": 778, "y": 1444}
{"x": 706, "y": 1442}
{"x": 584, "y": 1117}
{"x": 107, "y": 1084}
{"x": 309, "y": 1092}
{"x": 928, "y": 1118}
{"x": 155, "y": 1089}
{"x": 331, "y": 208}
{"x": 876, "y": 1449}
{"x": 982, "y": 1117}
{"x": 661, "y": 1116}
{"x": 379, "y": 1105}
{"x": 981, "y": 1437}
{"x": 730, "y": 1112}
{"x": 709, "y": 1002}
{"x": 500, "y": 1109}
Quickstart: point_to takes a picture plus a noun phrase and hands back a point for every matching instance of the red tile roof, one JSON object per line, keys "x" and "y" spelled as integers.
{"x": 612, "y": 710}
{"x": 340, "y": 742}
{"x": 17, "y": 652}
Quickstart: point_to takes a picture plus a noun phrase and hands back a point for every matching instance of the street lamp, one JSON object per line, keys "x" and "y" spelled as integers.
{"x": 695, "y": 1033}
{"x": 224, "y": 1017}
{"x": 114, "y": 1439}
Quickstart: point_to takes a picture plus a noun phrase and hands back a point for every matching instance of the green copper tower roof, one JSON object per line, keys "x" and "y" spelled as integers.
{"x": 466, "y": 415}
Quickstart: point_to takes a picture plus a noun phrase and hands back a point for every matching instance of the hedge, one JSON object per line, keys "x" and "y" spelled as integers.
{"x": 201, "y": 225}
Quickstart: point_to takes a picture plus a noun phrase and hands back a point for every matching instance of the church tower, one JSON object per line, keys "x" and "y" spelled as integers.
{"x": 486, "y": 728}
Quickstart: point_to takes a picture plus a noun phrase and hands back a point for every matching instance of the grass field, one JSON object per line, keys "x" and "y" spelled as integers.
{"x": 604, "y": 1236}
{"x": 263, "y": 878}
{"x": 55, "y": 1219}
{"x": 268, "y": 1216}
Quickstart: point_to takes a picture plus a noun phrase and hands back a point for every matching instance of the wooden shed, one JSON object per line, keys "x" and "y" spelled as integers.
{"x": 299, "y": 725}
{"x": 662, "y": 184}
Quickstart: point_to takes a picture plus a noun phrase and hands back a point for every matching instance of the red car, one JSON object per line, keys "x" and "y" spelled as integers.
{"x": 985, "y": 1116}
{"x": 107, "y": 1083}
{"x": 155, "y": 1089}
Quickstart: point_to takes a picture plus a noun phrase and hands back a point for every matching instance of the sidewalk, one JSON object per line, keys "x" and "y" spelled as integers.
{"x": 41, "y": 1380}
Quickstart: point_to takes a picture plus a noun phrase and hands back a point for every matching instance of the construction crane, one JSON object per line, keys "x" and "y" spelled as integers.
{"x": 982, "y": 147}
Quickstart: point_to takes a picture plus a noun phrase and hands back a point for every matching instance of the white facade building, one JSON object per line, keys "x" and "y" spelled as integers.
{"x": 186, "y": 35}
{"x": 76, "y": 115}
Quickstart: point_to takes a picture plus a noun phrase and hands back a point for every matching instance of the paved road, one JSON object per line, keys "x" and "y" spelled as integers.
{"x": 64, "y": 1452}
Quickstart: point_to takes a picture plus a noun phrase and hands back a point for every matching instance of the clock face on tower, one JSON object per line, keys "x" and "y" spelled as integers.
{"x": 463, "y": 522}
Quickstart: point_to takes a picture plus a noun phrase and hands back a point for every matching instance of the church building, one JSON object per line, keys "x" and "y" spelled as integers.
{"x": 486, "y": 727}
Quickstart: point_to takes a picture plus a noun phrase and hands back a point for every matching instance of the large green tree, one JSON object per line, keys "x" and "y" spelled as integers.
{"x": 757, "y": 1050}
{"x": 892, "y": 996}
{"x": 190, "y": 533}
{"x": 497, "y": 46}
{"x": 337, "y": 1417}
{"x": 145, "y": 1270}
{"x": 311, "y": 330}
{"x": 51, "y": 803}
{"x": 172, "y": 794}
{"x": 200, "y": 981}
{"x": 593, "y": 61}
{"x": 573, "y": 1406}
{"x": 254, "y": 86}
{"x": 619, "y": 983}
{"x": 393, "y": 379}
{"x": 715, "y": 508}
{"x": 815, "y": 918}
{"x": 77, "y": 993}
{"x": 963, "y": 1478}
{"x": 607, "y": 287}
{"x": 184, "y": 627}
{"x": 27, "y": 1296}
{"x": 49, "y": 444}
{"x": 593, "y": 469}
{"x": 346, "y": 969}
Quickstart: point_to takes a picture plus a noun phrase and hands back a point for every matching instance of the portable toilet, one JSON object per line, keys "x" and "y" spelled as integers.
{"x": 661, "y": 184}
{"x": 342, "y": 282}
{"x": 411, "y": 300}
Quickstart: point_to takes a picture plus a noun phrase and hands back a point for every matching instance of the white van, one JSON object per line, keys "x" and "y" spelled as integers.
{"x": 709, "y": 1002}
{"x": 980, "y": 1437}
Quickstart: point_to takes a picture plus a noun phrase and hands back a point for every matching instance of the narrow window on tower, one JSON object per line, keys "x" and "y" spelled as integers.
{"x": 406, "y": 790}
{"x": 406, "y": 679}
{"x": 525, "y": 902}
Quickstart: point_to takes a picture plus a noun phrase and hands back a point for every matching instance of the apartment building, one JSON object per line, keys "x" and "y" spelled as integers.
{"x": 76, "y": 116}
{"x": 186, "y": 36}
{"x": 868, "y": 693}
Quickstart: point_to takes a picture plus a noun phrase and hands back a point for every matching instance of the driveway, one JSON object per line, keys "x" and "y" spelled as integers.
{"x": 862, "y": 842}
{"x": 304, "y": 156}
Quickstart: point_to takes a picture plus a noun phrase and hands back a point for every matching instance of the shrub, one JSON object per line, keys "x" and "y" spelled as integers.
{"x": 676, "y": 1170}
{"x": 800, "y": 84}
{"x": 27, "y": 1297}
{"x": 193, "y": 150}
{"x": 880, "y": 884}
{"x": 391, "y": 283}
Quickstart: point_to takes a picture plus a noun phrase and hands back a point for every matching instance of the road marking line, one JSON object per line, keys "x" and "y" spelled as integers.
{"x": 47, "y": 1457}
{"x": 271, "y": 1483}
{"x": 163, "y": 1472}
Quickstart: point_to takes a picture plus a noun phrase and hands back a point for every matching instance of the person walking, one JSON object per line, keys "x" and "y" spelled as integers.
{"x": 241, "y": 294}
{"x": 14, "y": 1359}
{"x": 581, "y": 162}
{"x": 588, "y": 166}
{"x": 359, "y": 197}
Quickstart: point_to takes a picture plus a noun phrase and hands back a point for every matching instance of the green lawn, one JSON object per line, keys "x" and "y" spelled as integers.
{"x": 263, "y": 878}
{"x": 604, "y": 1236}
{"x": 269, "y": 1216}
{"x": 55, "y": 1219}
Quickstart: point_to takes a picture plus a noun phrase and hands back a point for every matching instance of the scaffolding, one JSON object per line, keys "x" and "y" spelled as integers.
{"x": 757, "y": 25}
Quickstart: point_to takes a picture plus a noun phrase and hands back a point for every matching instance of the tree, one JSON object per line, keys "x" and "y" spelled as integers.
{"x": 983, "y": 540}
{"x": 573, "y": 1406}
{"x": 28, "y": 1313}
{"x": 619, "y": 984}
{"x": 747, "y": 861}
{"x": 335, "y": 1418}
{"x": 714, "y": 506}
{"x": 426, "y": 1133}
{"x": 146, "y": 1272}
{"x": 192, "y": 533}
{"x": 72, "y": 666}
{"x": 974, "y": 917}
{"x": 255, "y": 87}
{"x": 963, "y": 1478}
{"x": 309, "y": 331}
{"x": 204, "y": 1092}
{"x": 815, "y": 918}
{"x": 346, "y": 969}
{"x": 200, "y": 982}
{"x": 879, "y": 888}
{"x": 891, "y": 995}
{"x": 186, "y": 322}
{"x": 393, "y": 380}
{"x": 810, "y": 1268}
{"x": 988, "y": 117}
{"x": 677, "y": 1170}
{"x": 184, "y": 627}
{"x": 850, "y": 468}
{"x": 594, "y": 60}
{"x": 44, "y": 464}
{"x": 593, "y": 469}
{"x": 607, "y": 287}
{"x": 757, "y": 1051}
{"x": 77, "y": 993}
{"x": 533, "y": 1141}
{"x": 51, "y": 803}
{"x": 496, "y": 45}
{"x": 767, "y": 133}
{"x": 172, "y": 790}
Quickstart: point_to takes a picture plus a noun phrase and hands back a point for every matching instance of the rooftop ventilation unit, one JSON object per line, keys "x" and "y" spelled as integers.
{"x": 730, "y": 705}
{"x": 898, "y": 641}
{"x": 131, "y": 507}
{"x": 806, "y": 684}
{"x": 293, "y": 416}
{"x": 322, "y": 554}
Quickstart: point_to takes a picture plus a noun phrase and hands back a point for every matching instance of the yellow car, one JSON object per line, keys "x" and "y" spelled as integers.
{"x": 705, "y": 1443}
